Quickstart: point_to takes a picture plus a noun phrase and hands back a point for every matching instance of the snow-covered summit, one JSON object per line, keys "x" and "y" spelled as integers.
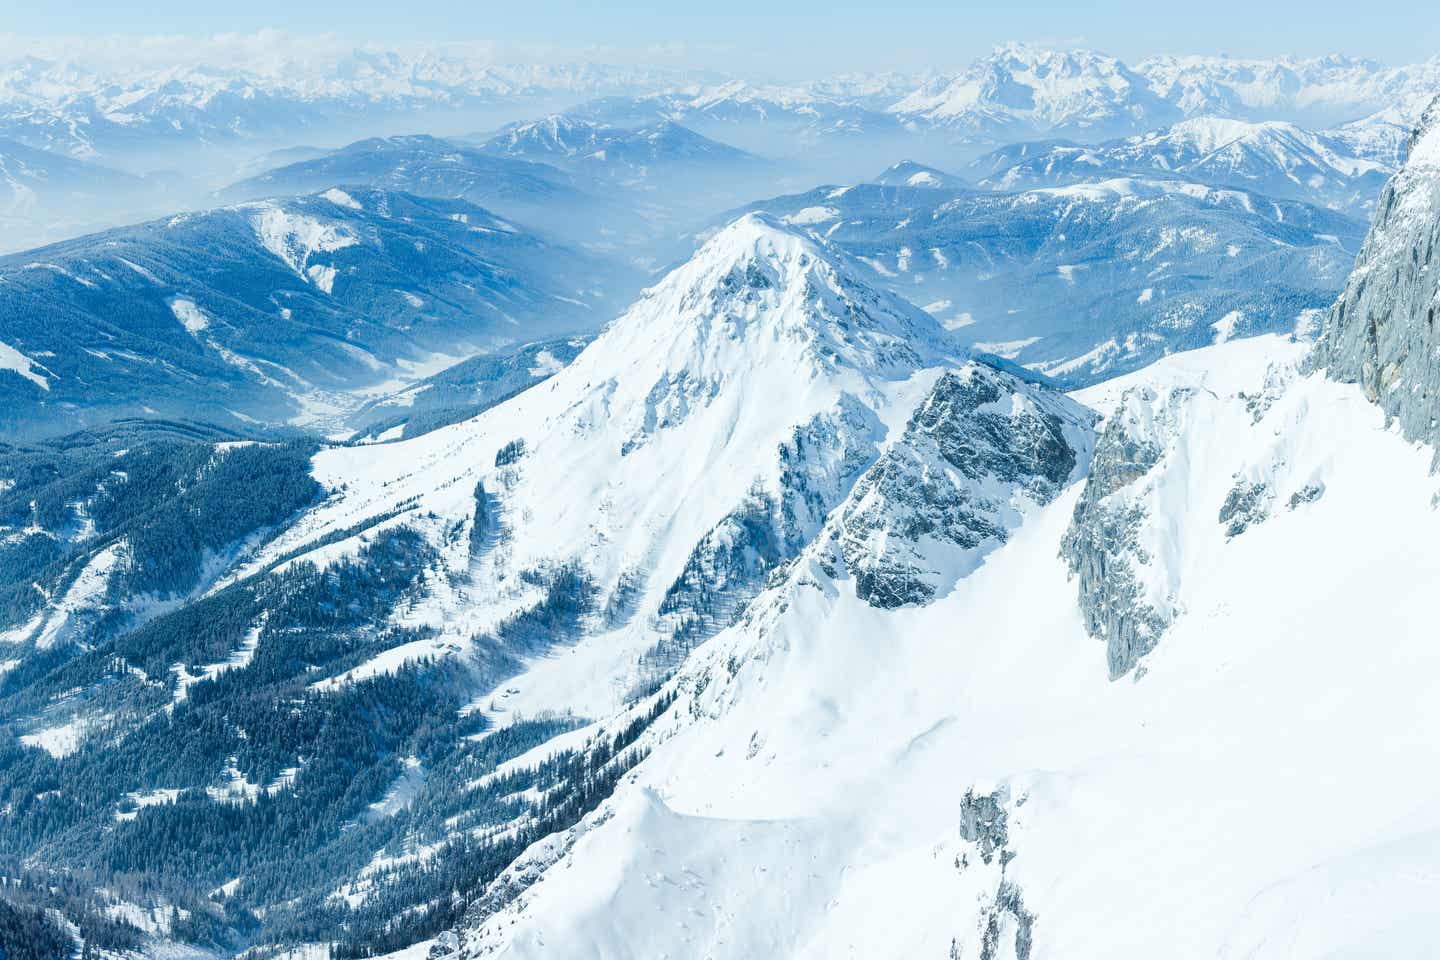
{"x": 932, "y": 778}
{"x": 908, "y": 173}
{"x": 757, "y": 279}
{"x": 1319, "y": 90}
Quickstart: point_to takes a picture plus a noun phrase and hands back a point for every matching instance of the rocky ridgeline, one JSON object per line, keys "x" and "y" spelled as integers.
{"x": 1381, "y": 333}
{"x": 980, "y": 446}
{"x": 1103, "y": 545}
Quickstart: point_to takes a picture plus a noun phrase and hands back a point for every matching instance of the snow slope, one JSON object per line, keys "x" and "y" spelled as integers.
{"x": 710, "y": 428}
{"x": 837, "y": 780}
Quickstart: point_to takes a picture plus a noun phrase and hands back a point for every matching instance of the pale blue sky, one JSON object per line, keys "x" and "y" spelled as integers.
{"x": 784, "y": 37}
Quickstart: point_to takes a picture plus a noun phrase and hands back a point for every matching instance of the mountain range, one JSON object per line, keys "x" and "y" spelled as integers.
{"x": 1087, "y": 281}
{"x": 729, "y": 590}
{"x": 1271, "y": 158}
{"x": 949, "y": 764}
{"x": 569, "y": 531}
{"x": 276, "y": 311}
{"x": 1016, "y": 91}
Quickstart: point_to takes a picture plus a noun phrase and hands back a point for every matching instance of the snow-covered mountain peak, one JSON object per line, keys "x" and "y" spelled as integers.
{"x": 1207, "y": 134}
{"x": 759, "y": 285}
{"x": 696, "y": 444}
{"x": 557, "y": 132}
{"x": 908, "y": 173}
{"x": 1021, "y": 88}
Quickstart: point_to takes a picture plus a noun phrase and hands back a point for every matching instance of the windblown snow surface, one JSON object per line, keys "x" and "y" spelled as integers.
{"x": 961, "y": 779}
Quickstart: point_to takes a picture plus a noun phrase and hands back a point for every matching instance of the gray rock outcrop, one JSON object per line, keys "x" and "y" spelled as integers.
{"x": 1381, "y": 333}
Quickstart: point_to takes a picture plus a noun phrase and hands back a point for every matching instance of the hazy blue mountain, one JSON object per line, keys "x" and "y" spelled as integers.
{"x": 277, "y": 310}
{"x": 908, "y": 173}
{"x": 45, "y": 196}
{"x": 661, "y": 151}
{"x": 425, "y": 166}
{"x": 1087, "y": 281}
{"x": 812, "y": 135}
{"x": 1271, "y": 158}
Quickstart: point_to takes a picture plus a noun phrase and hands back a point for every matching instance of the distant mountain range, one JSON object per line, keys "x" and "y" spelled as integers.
{"x": 609, "y": 189}
{"x": 1273, "y": 158}
{"x": 279, "y": 310}
{"x": 47, "y": 196}
{"x": 537, "y": 194}
{"x": 193, "y": 128}
{"x": 1018, "y": 91}
{"x": 1086, "y": 281}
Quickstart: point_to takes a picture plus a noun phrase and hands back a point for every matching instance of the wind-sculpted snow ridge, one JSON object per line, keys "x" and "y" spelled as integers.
{"x": 958, "y": 778}
{"x": 1381, "y": 332}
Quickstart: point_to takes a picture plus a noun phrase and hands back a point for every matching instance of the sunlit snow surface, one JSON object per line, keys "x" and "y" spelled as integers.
{"x": 1265, "y": 788}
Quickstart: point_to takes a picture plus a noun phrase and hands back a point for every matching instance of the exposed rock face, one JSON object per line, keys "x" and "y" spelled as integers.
{"x": 982, "y": 821}
{"x": 1005, "y": 926}
{"x": 818, "y": 464}
{"x": 1247, "y": 504}
{"x": 1103, "y": 545}
{"x": 1381, "y": 333}
{"x": 981, "y": 445}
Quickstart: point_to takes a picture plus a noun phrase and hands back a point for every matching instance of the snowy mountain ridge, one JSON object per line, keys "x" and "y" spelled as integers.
{"x": 1019, "y": 90}
{"x": 852, "y": 772}
{"x": 932, "y": 776}
{"x": 1272, "y": 157}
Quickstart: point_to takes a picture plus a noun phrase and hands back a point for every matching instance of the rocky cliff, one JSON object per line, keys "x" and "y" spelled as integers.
{"x": 1381, "y": 332}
